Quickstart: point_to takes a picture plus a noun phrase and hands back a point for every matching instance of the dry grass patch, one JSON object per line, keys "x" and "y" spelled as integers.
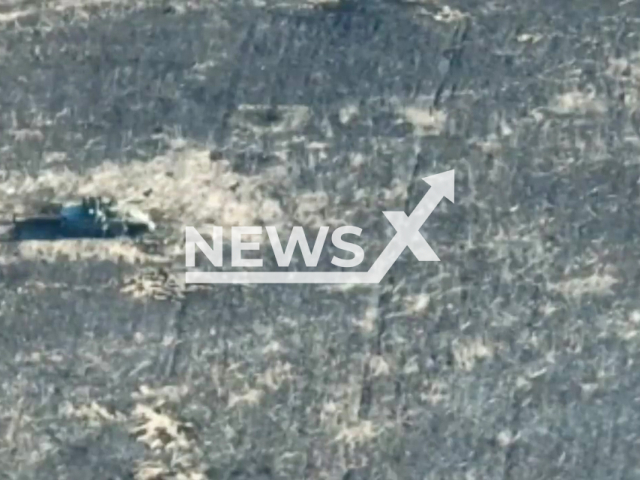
{"x": 77, "y": 250}
{"x": 427, "y": 121}
{"x": 435, "y": 392}
{"x": 183, "y": 187}
{"x": 597, "y": 284}
{"x": 578, "y": 102}
{"x": 348, "y": 113}
{"x": 628, "y": 326}
{"x": 157, "y": 430}
{"x": 261, "y": 119}
{"x": 379, "y": 366}
{"x": 415, "y": 304}
{"x": 273, "y": 378}
{"x": 187, "y": 188}
{"x": 627, "y": 72}
{"x": 26, "y": 9}
{"x": 151, "y": 423}
{"x": 16, "y": 15}
{"x": 251, "y": 397}
{"x": 157, "y": 284}
{"x": 153, "y": 470}
{"x": 467, "y": 353}
{"x": 449, "y": 15}
{"x": 93, "y": 414}
{"x": 161, "y": 395}
{"x": 358, "y": 433}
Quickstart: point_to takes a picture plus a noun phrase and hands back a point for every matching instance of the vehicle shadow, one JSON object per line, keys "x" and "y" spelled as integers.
{"x": 52, "y": 229}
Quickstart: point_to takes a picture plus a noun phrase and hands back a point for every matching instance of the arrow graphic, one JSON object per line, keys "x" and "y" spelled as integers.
{"x": 407, "y": 235}
{"x": 408, "y": 228}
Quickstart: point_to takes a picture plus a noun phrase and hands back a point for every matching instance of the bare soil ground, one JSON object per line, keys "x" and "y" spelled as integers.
{"x": 512, "y": 358}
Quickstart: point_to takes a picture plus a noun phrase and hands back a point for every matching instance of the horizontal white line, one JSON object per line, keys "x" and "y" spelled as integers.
{"x": 281, "y": 277}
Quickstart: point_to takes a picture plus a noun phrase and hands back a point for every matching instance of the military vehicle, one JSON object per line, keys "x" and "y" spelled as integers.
{"x": 91, "y": 217}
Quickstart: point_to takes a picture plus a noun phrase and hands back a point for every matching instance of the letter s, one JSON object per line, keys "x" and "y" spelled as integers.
{"x": 336, "y": 239}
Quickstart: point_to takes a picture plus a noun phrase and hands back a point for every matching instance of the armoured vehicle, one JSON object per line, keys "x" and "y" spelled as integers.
{"x": 91, "y": 217}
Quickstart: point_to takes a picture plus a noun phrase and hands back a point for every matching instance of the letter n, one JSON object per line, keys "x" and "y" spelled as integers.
{"x": 193, "y": 238}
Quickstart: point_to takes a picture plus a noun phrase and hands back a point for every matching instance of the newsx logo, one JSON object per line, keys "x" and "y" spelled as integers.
{"x": 407, "y": 235}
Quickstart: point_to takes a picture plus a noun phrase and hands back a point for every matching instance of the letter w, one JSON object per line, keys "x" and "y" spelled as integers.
{"x": 297, "y": 236}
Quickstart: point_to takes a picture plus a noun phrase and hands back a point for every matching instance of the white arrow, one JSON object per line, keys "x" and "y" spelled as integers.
{"x": 408, "y": 228}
